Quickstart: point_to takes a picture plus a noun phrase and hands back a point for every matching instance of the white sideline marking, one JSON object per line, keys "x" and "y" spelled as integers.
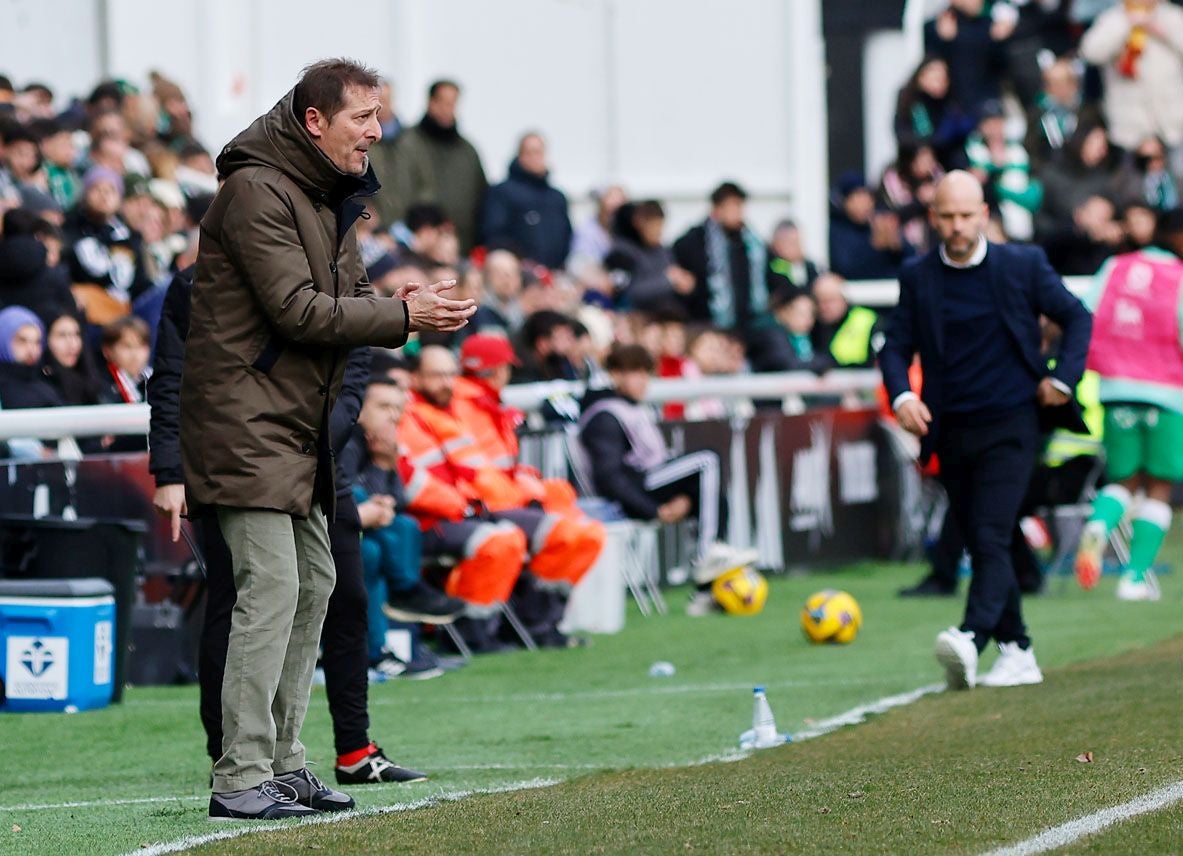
{"x": 337, "y": 817}
{"x": 854, "y": 716}
{"x": 857, "y": 715}
{"x": 1073, "y": 830}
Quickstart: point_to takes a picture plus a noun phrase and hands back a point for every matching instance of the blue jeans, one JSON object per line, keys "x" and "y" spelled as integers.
{"x": 392, "y": 557}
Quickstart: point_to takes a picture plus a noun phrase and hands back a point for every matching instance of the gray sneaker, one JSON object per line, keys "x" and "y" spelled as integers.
{"x": 269, "y": 801}
{"x": 312, "y": 792}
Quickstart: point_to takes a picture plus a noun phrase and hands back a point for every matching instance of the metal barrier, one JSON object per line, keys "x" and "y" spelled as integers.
{"x": 132, "y": 419}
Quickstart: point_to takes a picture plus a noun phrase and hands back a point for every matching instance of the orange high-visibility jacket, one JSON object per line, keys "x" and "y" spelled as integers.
{"x": 436, "y": 441}
{"x": 431, "y": 499}
{"x": 494, "y": 426}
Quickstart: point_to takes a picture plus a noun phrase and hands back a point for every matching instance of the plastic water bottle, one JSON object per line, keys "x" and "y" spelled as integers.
{"x": 763, "y": 733}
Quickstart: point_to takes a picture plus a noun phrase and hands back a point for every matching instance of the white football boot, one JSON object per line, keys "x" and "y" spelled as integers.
{"x": 1144, "y": 589}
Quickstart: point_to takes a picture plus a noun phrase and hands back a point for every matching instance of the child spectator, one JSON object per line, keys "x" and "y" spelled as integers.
{"x": 641, "y": 266}
{"x": 1139, "y": 221}
{"x": 103, "y": 249}
{"x": 126, "y": 350}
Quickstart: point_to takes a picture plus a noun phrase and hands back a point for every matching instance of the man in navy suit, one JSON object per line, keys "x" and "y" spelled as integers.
{"x": 971, "y": 310}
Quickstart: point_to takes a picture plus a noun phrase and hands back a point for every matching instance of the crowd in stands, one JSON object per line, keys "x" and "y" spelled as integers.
{"x": 1068, "y": 112}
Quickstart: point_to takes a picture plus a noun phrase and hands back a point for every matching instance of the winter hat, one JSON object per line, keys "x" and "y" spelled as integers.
{"x": 101, "y": 173}
{"x": 11, "y": 320}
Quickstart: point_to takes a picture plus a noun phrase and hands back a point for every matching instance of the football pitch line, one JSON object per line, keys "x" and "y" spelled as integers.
{"x": 854, "y": 716}
{"x": 1074, "y": 830}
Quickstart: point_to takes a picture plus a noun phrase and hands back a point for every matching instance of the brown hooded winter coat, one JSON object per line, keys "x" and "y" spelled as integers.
{"x": 280, "y": 295}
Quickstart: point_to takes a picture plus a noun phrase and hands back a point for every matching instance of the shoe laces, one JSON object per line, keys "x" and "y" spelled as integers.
{"x": 278, "y": 792}
{"x": 310, "y": 776}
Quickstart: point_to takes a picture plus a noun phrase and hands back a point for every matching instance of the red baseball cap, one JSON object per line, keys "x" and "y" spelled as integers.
{"x": 482, "y": 352}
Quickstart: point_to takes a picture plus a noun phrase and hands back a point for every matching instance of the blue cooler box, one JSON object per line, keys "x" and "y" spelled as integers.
{"x": 57, "y": 644}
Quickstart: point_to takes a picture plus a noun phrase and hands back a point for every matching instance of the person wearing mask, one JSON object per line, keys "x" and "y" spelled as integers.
{"x": 434, "y": 163}
{"x": 526, "y": 212}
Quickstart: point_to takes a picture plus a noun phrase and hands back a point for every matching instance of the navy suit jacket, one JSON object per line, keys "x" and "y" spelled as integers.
{"x": 1024, "y": 287}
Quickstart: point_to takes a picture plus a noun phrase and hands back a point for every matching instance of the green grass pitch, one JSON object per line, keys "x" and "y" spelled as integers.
{"x": 950, "y": 773}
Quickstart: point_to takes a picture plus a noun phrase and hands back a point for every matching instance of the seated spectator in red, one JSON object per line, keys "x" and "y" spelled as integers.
{"x": 67, "y": 365}
{"x": 526, "y": 212}
{"x": 103, "y": 250}
{"x": 642, "y": 268}
{"x": 864, "y": 243}
{"x": 788, "y": 268}
{"x": 926, "y": 114}
{"x": 21, "y": 382}
{"x": 1094, "y": 235}
{"x": 907, "y": 189}
{"x": 971, "y": 41}
{"x": 797, "y": 313}
{"x": 30, "y": 275}
{"x": 126, "y": 349}
{"x": 1139, "y": 221}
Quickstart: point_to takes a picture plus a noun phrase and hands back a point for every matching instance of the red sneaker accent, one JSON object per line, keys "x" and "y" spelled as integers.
{"x": 353, "y": 757}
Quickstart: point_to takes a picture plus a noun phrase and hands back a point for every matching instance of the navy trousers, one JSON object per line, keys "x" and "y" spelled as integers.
{"x": 985, "y": 468}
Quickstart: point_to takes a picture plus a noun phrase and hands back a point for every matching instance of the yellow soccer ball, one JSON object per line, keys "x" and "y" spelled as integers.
{"x": 740, "y": 591}
{"x": 831, "y": 616}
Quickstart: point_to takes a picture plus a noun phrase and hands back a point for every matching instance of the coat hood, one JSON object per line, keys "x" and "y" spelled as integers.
{"x": 518, "y": 172}
{"x": 21, "y": 258}
{"x": 278, "y": 140}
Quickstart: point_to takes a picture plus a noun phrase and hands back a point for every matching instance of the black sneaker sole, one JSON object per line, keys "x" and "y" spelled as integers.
{"x": 411, "y": 616}
{"x": 411, "y": 778}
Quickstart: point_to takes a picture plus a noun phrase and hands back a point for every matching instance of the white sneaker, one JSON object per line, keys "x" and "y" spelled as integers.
{"x": 956, "y": 651}
{"x": 1013, "y": 668}
{"x": 719, "y": 558}
{"x": 1146, "y": 589}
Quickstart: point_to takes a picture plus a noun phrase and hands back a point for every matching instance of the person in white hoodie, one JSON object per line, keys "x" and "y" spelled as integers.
{"x": 1138, "y": 44}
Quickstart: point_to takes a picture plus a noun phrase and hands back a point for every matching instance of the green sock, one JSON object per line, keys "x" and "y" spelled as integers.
{"x": 1109, "y": 507}
{"x": 1150, "y": 528}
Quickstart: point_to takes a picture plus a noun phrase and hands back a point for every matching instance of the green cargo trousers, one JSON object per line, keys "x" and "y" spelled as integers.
{"x": 284, "y": 575}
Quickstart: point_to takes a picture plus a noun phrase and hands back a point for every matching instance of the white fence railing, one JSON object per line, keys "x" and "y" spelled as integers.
{"x": 132, "y": 419}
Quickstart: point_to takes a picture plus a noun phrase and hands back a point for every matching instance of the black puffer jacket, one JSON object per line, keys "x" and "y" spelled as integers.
{"x": 528, "y": 215}
{"x": 27, "y": 280}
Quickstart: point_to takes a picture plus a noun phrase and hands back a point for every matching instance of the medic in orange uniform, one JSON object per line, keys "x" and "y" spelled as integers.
{"x": 446, "y": 467}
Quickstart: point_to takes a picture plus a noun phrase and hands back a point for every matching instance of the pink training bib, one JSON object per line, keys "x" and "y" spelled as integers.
{"x": 1136, "y": 324}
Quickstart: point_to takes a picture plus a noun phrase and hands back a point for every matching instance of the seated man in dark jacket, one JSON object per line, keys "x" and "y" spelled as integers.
{"x": 631, "y": 465}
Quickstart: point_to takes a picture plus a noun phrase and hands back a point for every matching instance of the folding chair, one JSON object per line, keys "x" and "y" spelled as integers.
{"x": 437, "y": 567}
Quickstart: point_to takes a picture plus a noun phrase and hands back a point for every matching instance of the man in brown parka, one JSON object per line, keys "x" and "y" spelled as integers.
{"x": 280, "y": 296}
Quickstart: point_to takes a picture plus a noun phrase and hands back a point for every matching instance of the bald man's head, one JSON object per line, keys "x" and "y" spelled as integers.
{"x": 436, "y": 374}
{"x": 959, "y": 214}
